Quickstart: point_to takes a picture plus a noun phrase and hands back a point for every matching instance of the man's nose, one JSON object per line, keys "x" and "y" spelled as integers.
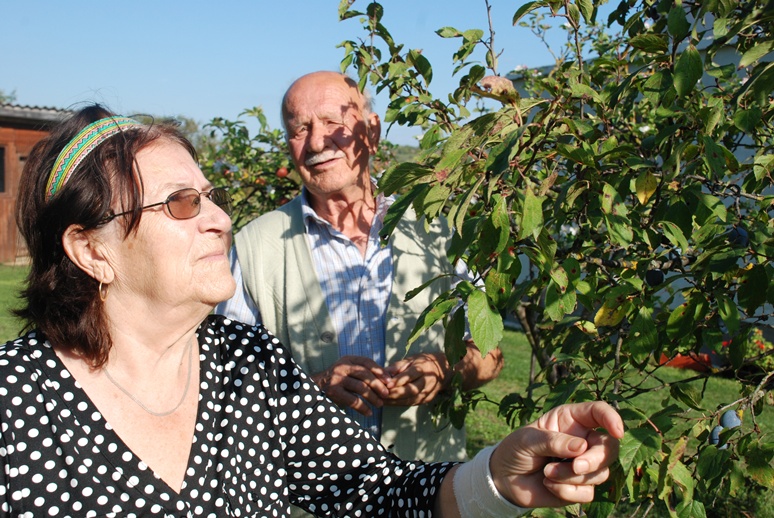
{"x": 318, "y": 138}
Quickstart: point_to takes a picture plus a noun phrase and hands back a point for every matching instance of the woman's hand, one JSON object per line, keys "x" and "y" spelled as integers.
{"x": 525, "y": 466}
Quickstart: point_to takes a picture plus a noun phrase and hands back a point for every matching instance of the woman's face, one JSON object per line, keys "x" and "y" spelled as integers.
{"x": 171, "y": 262}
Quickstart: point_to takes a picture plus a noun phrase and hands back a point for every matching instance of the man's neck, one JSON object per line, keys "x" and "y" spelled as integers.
{"x": 351, "y": 214}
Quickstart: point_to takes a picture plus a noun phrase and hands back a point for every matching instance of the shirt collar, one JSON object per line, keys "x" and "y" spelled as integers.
{"x": 382, "y": 205}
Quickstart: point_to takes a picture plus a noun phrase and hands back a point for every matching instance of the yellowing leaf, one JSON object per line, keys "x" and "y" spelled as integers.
{"x": 645, "y": 185}
{"x": 610, "y": 315}
{"x": 587, "y": 327}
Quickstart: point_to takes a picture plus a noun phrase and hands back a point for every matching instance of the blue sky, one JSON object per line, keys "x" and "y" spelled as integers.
{"x": 208, "y": 59}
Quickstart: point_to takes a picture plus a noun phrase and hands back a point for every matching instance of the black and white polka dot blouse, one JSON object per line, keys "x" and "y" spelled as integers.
{"x": 265, "y": 437}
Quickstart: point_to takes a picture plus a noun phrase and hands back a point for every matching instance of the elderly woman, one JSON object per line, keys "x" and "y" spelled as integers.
{"x": 126, "y": 398}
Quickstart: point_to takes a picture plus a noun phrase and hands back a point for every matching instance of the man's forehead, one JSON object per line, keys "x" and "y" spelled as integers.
{"x": 329, "y": 104}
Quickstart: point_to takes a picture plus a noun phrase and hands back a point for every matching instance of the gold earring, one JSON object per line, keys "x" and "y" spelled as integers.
{"x": 103, "y": 293}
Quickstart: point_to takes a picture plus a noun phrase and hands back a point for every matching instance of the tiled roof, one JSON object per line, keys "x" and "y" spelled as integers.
{"x": 31, "y": 114}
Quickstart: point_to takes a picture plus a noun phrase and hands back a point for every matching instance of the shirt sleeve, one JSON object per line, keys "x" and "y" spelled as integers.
{"x": 241, "y": 306}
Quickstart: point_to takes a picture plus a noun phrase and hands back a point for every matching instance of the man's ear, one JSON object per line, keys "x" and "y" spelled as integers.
{"x": 374, "y": 129}
{"x": 87, "y": 253}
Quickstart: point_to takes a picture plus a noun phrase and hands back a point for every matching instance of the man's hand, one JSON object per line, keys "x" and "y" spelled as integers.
{"x": 354, "y": 381}
{"x": 417, "y": 379}
{"x": 524, "y": 465}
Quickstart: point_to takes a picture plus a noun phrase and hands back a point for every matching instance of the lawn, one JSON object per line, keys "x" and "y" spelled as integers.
{"x": 11, "y": 278}
{"x": 485, "y": 427}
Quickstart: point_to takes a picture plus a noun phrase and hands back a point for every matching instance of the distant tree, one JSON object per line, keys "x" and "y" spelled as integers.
{"x": 7, "y": 98}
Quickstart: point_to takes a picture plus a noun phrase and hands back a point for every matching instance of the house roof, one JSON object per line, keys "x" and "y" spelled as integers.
{"x": 30, "y": 116}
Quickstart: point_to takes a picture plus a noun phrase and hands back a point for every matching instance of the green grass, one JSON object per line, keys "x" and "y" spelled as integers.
{"x": 11, "y": 278}
{"x": 486, "y": 427}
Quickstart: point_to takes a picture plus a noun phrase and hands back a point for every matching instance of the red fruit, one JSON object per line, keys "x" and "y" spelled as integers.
{"x": 282, "y": 172}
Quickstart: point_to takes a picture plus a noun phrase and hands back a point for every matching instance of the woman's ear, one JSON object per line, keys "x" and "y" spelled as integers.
{"x": 87, "y": 253}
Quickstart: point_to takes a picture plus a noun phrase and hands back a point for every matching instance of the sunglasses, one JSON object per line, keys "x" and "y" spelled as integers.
{"x": 186, "y": 203}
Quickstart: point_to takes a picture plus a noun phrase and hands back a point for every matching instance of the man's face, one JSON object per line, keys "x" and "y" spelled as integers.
{"x": 329, "y": 136}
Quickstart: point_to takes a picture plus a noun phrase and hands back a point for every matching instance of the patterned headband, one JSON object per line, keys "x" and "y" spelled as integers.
{"x": 80, "y": 146}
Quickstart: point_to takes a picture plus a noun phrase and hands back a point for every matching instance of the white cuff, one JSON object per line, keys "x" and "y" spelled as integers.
{"x": 476, "y": 493}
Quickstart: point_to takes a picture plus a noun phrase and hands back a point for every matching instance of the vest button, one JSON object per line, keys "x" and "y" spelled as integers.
{"x": 327, "y": 337}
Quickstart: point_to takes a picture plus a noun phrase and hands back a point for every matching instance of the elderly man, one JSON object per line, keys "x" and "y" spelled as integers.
{"x": 316, "y": 274}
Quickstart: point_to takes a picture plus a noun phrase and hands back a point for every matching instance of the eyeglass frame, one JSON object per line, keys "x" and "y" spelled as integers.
{"x": 227, "y": 208}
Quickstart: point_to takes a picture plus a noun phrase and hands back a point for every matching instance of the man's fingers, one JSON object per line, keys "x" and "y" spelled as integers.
{"x": 362, "y": 389}
{"x": 346, "y": 399}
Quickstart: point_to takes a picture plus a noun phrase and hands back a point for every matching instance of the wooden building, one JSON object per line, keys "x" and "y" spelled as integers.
{"x": 21, "y": 127}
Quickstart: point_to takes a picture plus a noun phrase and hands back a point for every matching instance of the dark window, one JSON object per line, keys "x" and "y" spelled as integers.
{"x": 2, "y": 169}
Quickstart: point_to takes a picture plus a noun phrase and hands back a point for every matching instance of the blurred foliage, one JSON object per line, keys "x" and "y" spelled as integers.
{"x": 619, "y": 205}
{"x": 7, "y": 98}
{"x": 255, "y": 168}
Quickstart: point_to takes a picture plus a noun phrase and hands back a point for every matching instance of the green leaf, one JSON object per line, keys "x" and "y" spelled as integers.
{"x": 681, "y": 321}
{"x": 755, "y": 53}
{"x": 532, "y": 215}
{"x": 560, "y": 301}
{"x": 753, "y": 284}
{"x": 714, "y": 204}
{"x": 683, "y": 478}
{"x": 486, "y": 325}
{"x": 422, "y": 64}
{"x": 713, "y": 463}
{"x": 498, "y": 287}
{"x": 448, "y": 32}
{"x": 728, "y": 312}
{"x": 639, "y": 446}
{"x": 677, "y": 23}
{"x": 674, "y": 234}
{"x": 403, "y": 175}
{"x": 691, "y": 509}
{"x": 345, "y": 13}
{"x": 688, "y": 395}
{"x": 747, "y": 120}
{"x": 397, "y": 209}
{"x": 688, "y": 70}
{"x": 459, "y": 207}
{"x": 715, "y": 157}
{"x": 653, "y": 43}
{"x": 587, "y": 9}
{"x": 526, "y": 9}
{"x": 438, "y": 309}
{"x": 453, "y": 339}
{"x": 600, "y": 509}
{"x": 758, "y": 464}
{"x": 562, "y": 393}
{"x": 643, "y": 336}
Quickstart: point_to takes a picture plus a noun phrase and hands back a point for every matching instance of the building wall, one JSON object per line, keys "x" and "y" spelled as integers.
{"x": 17, "y": 144}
